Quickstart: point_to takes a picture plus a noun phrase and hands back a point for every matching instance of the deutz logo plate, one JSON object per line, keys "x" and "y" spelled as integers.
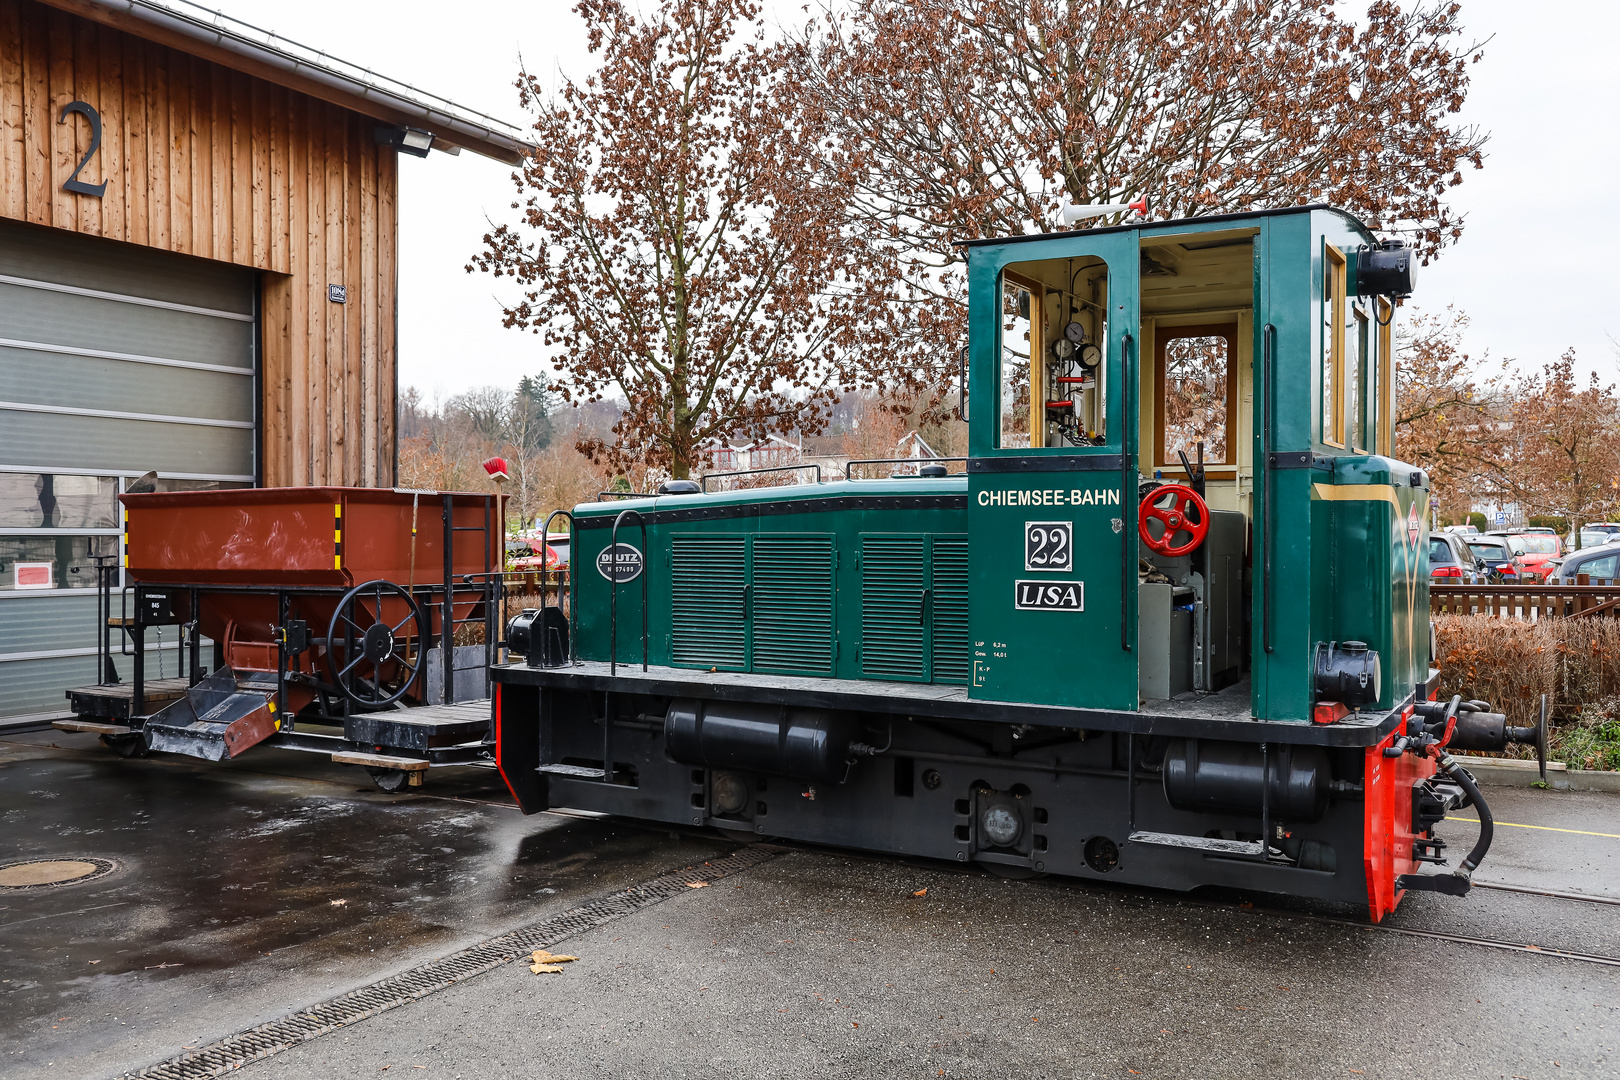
{"x": 1049, "y": 595}
{"x": 620, "y": 563}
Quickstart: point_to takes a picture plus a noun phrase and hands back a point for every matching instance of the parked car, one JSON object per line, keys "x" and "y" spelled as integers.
{"x": 1450, "y": 560}
{"x": 1598, "y": 534}
{"x": 523, "y": 553}
{"x": 1501, "y": 560}
{"x": 1600, "y": 564}
{"x": 1461, "y": 530}
{"x": 1540, "y": 549}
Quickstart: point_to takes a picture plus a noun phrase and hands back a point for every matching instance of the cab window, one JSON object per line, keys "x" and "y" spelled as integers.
{"x": 1054, "y": 330}
{"x": 1193, "y": 369}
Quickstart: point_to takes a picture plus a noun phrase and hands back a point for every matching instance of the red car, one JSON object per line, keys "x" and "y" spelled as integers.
{"x": 523, "y": 553}
{"x": 1540, "y": 548}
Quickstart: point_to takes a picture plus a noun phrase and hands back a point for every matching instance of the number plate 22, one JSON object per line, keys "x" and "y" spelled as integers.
{"x": 1049, "y": 546}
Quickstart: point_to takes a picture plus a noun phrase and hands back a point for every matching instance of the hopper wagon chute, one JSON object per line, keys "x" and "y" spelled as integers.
{"x": 331, "y": 616}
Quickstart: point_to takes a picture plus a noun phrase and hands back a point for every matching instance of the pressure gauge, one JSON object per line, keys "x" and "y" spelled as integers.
{"x": 1063, "y": 348}
{"x": 1075, "y": 333}
{"x": 1089, "y": 356}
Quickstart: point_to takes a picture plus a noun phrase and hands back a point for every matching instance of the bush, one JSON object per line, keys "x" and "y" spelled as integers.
{"x": 1575, "y": 662}
{"x": 1546, "y": 521}
{"x": 1477, "y": 520}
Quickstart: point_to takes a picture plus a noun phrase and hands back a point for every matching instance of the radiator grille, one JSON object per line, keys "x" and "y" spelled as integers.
{"x": 708, "y": 627}
{"x": 952, "y": 656}
{"x": 793, "y": 605}
{"x": 893, "y": 624}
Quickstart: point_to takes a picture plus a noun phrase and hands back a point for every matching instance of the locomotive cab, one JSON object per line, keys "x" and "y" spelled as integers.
{"x": 1116, "y": 370}
{"x": 1120, "y": 380}
{"x": 1169, "y": 626}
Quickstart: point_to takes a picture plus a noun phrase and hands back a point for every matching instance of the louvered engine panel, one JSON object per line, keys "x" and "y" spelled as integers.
{"x": 894, "y": 632}
{"x": 793, "y": 605}
{"x": 708, "y": 608}
{"x": 952, "y": 655}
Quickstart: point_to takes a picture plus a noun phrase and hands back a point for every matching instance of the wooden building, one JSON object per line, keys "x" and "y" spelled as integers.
{"x": 198, "y": 277}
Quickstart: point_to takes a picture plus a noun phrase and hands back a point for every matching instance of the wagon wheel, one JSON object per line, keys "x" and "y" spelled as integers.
{"x": 360, "y": 645}
{"x": 389, "y": 779}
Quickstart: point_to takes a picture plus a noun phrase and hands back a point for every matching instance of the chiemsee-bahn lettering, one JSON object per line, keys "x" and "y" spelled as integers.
{"x": 1051, "y": 497}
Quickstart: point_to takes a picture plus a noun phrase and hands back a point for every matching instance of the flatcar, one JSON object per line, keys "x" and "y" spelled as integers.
{"x": 1168, "y": 624}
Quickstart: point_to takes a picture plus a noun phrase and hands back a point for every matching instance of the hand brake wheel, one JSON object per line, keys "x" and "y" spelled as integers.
{"x": 1180, "y": 512}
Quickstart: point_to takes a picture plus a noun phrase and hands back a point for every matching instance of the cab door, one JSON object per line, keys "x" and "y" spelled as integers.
{"x": 1053, "y": 406}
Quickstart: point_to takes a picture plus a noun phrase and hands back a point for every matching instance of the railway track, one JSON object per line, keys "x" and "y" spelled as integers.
{"x": 1499, "y": 944}
{"x": 1459, "y": 939}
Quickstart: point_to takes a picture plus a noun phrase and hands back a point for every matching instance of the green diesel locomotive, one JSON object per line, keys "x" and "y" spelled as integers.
{"x": 1169, "y": 625}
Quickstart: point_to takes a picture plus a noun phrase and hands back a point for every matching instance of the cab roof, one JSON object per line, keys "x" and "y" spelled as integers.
{"x": 1171, "y": 225}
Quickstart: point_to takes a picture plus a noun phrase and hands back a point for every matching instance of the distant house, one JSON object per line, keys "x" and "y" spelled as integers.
{"x": 771, "y": 452}
{"x": 831, "y": 452}
{"x": 911, "y": 445}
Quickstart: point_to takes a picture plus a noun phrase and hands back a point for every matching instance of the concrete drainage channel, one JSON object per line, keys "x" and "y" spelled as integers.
{"x": 234, "y": 1051}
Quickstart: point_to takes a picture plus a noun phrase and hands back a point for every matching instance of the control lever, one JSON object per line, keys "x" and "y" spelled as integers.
{"x": 1195, "y": 476}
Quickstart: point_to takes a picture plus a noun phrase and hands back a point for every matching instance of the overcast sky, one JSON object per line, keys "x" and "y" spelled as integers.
{"x": 1533, "y": 268}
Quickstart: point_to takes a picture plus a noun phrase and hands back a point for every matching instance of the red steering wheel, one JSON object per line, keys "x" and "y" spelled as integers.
{"x": 1179, "y": 509}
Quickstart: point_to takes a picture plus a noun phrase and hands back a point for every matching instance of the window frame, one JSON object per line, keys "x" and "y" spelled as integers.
{"x": 1037, "y": 358}
{"x": 1162, "y": 336}
{"x": 1330, "y": 399}
{"x": 1356, "y": 410}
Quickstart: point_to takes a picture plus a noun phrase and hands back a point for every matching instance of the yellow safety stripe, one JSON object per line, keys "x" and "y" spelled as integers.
{"x": 1362, "y": 493}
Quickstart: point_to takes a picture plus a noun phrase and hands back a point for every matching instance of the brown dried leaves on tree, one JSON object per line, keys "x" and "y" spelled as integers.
{"x": 682, "y": 237}
{"x": 977, "y": 118}
{"x": 1564, "y": 456}
{"x": 1447, "y": 418}
{"x": 1543, "y": 440}
{"x": 981, "y": 117}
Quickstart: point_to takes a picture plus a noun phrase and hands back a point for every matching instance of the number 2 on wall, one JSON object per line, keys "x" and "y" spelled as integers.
{"x": 73, "y": 183}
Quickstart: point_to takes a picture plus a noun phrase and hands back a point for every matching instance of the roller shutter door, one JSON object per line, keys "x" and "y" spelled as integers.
{"x": 114, "y": 360}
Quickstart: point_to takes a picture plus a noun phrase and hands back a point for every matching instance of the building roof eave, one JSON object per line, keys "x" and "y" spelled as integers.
{"x": 213, "y": 36}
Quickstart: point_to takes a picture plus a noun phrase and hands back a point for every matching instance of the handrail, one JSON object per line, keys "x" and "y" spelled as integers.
{"x": 1268, "y": 437}
{"x": 1127, "y": 497}
{"x": 613, "y": 604}
{"x": 545, "y": 549}
{"x": 624, "y": 495}
{"x": 901, "y": 461}
{"x": 704, "y": 480}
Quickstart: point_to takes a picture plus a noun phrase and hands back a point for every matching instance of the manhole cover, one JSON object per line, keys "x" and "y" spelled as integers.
{"x": 43, "y": 873}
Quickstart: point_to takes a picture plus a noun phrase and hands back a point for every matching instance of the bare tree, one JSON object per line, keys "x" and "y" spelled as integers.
{"x": 681, "y": 239}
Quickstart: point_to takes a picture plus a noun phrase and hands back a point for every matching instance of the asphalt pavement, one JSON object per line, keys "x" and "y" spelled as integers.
{"x": 224, "y": 914}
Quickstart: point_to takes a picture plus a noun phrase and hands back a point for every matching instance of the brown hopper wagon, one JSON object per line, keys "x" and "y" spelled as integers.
{"x": 333, "y": 615}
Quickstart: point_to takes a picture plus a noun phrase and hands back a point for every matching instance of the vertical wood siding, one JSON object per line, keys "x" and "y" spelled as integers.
{"x": 210, "y": 162}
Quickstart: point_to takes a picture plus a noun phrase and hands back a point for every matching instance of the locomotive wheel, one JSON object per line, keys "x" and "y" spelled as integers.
{"x": 389, "y": 779}
{"x": 1179, "y": 510}
{"x": 359, "y": 644}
